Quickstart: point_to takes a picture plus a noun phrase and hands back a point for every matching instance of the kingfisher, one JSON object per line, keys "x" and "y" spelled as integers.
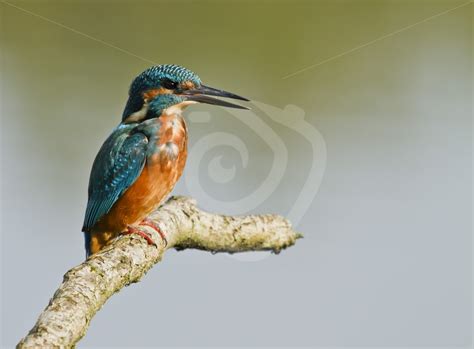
{"x": 140, "y": 162}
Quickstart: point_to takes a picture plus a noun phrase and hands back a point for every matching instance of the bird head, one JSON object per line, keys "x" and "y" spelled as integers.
{"x": 170, "y": 88}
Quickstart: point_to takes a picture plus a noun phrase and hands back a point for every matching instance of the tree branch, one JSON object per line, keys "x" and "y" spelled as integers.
{"x": 87, "y": 287}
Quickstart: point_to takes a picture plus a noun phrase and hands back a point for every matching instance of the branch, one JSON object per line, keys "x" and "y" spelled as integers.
{"x": 86, "y": 288}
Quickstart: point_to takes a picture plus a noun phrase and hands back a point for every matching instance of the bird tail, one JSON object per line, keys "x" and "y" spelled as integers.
{"x": 87, "y": 244}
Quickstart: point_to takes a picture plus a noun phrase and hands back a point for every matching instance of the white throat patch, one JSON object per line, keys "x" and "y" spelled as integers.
{"x": 138, "y": 115}
{"x": 177, "y": 109}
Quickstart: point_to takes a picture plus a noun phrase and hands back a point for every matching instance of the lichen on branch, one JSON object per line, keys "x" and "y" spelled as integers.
{"x": 86, "y": 287}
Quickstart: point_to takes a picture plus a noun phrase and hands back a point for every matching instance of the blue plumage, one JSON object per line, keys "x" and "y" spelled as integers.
{"x": 118, "y": 195}
{"x": 116, "y": 167}
{"x": 156, "y": 77}
{"x": 153, "y": 75}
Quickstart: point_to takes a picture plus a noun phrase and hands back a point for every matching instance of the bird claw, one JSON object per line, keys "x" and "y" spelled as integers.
{"x": 146, "y": 236}
{"x": 149, "y": 223}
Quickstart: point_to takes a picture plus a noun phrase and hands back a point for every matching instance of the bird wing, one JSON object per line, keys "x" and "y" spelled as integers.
{"x": 116, "y": 167}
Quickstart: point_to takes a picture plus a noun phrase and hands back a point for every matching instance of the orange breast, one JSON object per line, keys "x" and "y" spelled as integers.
{"x": 159, "y": 176}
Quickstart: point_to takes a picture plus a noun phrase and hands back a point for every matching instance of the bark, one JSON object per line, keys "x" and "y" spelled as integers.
{"x": 87, "y": 287}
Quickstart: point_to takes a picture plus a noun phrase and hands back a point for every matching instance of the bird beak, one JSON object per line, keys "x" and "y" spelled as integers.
{"x": 202, "y": 95}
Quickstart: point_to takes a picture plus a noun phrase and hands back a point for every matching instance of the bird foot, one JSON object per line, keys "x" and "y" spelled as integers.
{"x": 146, "y": 236}
{"x": 149, "y": 223}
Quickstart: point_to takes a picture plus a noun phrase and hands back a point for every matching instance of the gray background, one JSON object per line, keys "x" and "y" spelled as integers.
{"x": 386, "y": 259}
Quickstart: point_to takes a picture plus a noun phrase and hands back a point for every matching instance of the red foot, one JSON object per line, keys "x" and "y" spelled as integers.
{"x": 149, "y": 223}
{"x": 132, "y": 230}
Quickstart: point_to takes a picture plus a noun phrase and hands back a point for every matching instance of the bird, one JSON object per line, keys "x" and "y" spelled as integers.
{"x": 140, "y": 162}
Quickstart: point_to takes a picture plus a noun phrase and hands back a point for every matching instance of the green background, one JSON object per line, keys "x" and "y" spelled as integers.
{"x": 386, "y": 258}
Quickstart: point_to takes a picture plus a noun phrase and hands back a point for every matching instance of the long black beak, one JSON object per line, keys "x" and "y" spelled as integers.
{"x": 202, "y": 93}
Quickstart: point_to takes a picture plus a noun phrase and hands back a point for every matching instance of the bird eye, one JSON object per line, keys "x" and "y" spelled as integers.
{"x": 169, "y": 84}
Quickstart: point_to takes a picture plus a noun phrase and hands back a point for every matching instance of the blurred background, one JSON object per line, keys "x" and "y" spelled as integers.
{"x": 360, "y": 132}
